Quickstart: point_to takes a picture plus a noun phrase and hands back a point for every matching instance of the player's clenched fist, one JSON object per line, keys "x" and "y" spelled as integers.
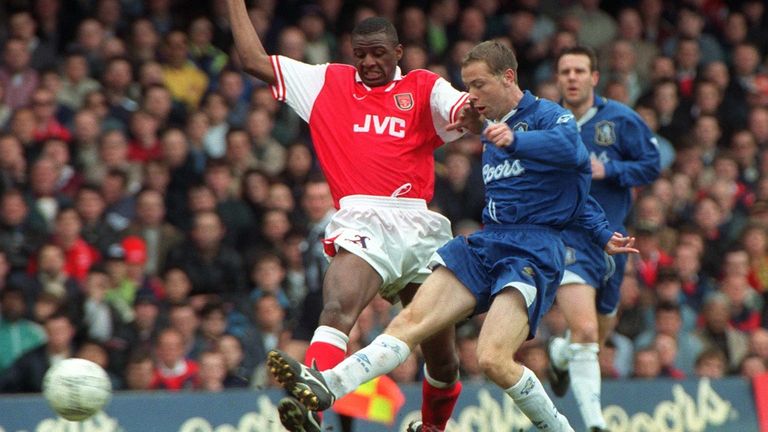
{"x": 499, "y": 134}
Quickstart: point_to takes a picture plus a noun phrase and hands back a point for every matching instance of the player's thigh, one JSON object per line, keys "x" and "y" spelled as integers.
{"x": 350, "y": 284}
{"x": 441, "y": 301}
{"x": 577, "y": 303}
{"x": 505, "y": 327}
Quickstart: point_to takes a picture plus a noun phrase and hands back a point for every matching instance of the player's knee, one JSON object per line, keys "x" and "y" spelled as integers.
{"x": 493, "y": 363}
{"x": 445, "y": 368}
{"x": 584, "y": 332}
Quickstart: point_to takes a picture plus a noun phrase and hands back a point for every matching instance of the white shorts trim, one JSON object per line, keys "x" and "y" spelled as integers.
{"x": 528, "y": 291}
{"x": 570, "y": 277}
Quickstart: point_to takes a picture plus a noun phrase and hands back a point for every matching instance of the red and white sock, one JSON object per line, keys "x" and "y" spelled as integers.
{"x": 437, "y": 402}
{"x": 327, "y": 348}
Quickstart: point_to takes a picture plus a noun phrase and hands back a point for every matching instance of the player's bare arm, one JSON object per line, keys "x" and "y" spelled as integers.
{"x": 253, "y": 57}
{"x": 619, "y": 244}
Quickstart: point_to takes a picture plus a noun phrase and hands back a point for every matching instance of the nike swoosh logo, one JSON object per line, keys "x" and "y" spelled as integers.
{"x": 359, "y": 97}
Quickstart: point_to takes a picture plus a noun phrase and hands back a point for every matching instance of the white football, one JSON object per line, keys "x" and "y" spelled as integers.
{"x": 76, "y": 388}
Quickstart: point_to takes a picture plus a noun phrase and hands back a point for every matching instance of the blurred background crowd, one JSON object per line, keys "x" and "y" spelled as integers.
{"x": 161, "y": 213}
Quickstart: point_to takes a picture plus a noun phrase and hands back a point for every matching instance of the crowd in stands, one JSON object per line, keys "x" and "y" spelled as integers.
{"x": 161, "y": 213}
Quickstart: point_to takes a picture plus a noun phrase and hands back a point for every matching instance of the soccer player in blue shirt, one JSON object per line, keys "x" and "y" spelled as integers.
{"x": 537, "y": 174}
{"x": 624, "y": 154}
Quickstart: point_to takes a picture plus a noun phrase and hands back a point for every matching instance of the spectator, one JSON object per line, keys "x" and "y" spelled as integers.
{"x": 213, "y": 371}
{"x": 96, "y": 229}
{"x": 666, "y": 346}
{"x": 235, "y": 214}
{"x": 25, "y": 375}
{"x": 744, "y": 149}
{"x": 206, "y": 56}
{"x": 139, "y": 372}
{"x": 212, "y": 266}
{"x": 299, "y": 166}
{"x": 269, "y": 154}
{"x": 183, "y": 317}
{"x": 711, "y": 364}
{"x": 144, "y": 41}
{"x": 232, "y": 87}
{"x": 17, "y": 76}
{"x": 651, "y": 256}
{"x": 69, "y": 179}
{"x": 18, "y": 334}
{"x": 695, "y": 284}
{"x": 752, "y": 366}
{"x": 117, "y": 189}
{"x": 13, "y": 164}
{"x": 21, "y": 232}
{"x": 647, "y": 364}
{"x": 145, "y": 142}
{"x": 213, "y": 325}
{"x": 176, "y": 286}
{"x": 459, "y": 192}
{"x": 43, "y": 193}
{"x": 719, "y": 334}
{"x": 238, "y": 373}
{"x": 690, "y": 25}
{"x": 139, "y": 335}
{"x": 746, "y": 304}
{"x": 76, "y": 82}
{"x": 668, "y": 289}
{"x": 172, "y": 371}
{"x": 265, "y": 333}
{"x": 669, "y": 322}
{"x": 158, "y": 235}
{"x": 100, "y": 318}
{"x": 44, "y": 108}
{"x": 186, "y": 82}
{"x": 121, "y": 92}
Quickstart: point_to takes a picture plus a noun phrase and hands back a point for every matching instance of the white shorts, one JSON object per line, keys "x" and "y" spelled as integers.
{"x": 396, "y": 236}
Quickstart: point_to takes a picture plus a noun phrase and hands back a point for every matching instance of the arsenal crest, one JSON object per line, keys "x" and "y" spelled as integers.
{"x": 404, "y": 101}
{"x": 605, "y": 133}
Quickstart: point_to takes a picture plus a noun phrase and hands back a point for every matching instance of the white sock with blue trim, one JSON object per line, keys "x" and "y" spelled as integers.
{"x": 383, "y": 355}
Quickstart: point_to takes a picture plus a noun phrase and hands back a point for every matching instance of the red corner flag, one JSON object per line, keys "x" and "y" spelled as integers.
{"x": 377, "y": 400}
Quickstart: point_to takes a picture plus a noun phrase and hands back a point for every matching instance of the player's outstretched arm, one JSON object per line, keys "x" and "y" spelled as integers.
{"x": 253, "y": 57}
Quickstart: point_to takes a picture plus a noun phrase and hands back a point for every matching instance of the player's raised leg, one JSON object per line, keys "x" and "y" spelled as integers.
{"x": 411, "y": 326}
{"x": 496, "y": 349}
{"x": 441, "y": 387}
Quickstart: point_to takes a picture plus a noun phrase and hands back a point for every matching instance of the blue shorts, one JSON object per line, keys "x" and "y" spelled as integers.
{"x": 527, "y": 257}
{"x": 585, "y": 263}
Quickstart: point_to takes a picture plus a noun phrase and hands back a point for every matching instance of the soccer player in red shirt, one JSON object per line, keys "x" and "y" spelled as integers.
{"x": 374, "y": 131}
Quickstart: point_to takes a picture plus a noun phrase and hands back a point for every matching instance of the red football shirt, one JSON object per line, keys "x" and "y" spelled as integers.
{"x": 371, "y": 141}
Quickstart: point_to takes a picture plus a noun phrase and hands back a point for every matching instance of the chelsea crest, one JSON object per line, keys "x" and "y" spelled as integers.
{"x": 605, "y": 133}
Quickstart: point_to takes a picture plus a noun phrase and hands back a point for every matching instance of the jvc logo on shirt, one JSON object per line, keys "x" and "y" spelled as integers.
{"x": 507, "y": 169}
{"x": 392, "y": 126}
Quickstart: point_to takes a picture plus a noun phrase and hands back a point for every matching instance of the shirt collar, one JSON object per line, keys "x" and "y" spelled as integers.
{"x": 526, "y": 100}
{"x": 398, "y": 77}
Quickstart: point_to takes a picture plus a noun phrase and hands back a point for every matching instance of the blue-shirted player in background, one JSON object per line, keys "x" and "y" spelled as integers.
{"x": 537, "y": 175}
{"x": 624, "y": 154}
